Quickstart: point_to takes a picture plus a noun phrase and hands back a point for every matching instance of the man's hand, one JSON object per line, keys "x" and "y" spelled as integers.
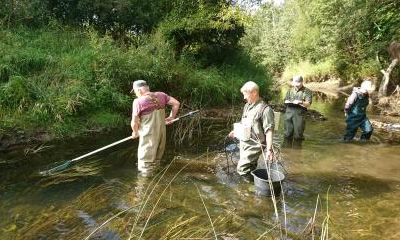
{"x": 270, "y": 155}
{"x": 169, "y": 120}
{"x": 135, "y": 134}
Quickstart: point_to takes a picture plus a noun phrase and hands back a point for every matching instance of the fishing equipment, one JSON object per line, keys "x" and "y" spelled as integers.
{"x": 231, "y": 149}
{"x": 267, "y": 182}
{"x": 69, "y": 162}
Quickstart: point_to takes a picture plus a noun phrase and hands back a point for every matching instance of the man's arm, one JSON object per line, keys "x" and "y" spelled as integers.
{"x": 349, "y": 103}
{"x": 269, "y": 137}
{"x": 268, "y": 126}
{"x": 135, "y": 126}
{"x": 307, "y": 99}
{"x": 174, "y": 110}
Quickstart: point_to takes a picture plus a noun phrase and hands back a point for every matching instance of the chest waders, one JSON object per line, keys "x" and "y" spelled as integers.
{"x": 152, "y": 138}
{"x": 357, "y": 118}
{"x": 295, "y": 121}
{"x": 250, "y": 150}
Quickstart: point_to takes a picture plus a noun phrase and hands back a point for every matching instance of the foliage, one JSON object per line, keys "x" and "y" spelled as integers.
{"x": 351, "y": 35}
{"x": 67, "y": 81}
{"x": 71, "y": 63}
{"x": 15, "y": 92}
{"x": 267, "y": 38}
{"x": 207, "y": 32}
{"x": 310, "y": 71}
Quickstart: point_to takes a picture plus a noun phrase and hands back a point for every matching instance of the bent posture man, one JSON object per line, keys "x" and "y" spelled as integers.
{"x": 258, "y": 121}
{"x": 297, "y": 100}
{"x": 148, "y": 123}
{"x": 355, "y": 113}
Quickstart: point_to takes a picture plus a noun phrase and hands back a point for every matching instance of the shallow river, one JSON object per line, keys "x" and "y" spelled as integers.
{"x": 198, "y": 195}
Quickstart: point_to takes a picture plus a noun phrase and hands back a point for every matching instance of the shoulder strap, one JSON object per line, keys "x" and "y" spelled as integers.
{"x": 155, "y": 101}
{"x": 261, "y": 112}
{"x": 246, "y": 106}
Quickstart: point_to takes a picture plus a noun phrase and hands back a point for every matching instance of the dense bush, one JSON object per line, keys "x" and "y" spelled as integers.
{"x": 68, "y": 81}
{"x": 352, "y": 36}
{"x": 68, "y": 66}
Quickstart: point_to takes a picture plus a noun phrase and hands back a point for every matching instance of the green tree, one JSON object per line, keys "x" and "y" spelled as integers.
{"x": 267, "y": 37}
{"x": 204, "y": 30}
{"x": 352, "y": 35}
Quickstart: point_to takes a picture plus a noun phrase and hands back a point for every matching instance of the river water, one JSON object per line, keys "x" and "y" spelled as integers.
{"x": 349, "y": 190}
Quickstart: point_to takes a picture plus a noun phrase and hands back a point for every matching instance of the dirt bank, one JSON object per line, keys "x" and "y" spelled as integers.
{"x": 331, "y": 87}
{"x": 16, "y": 139}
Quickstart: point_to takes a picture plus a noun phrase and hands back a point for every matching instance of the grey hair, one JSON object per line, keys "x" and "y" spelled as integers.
{"x": 249, "y": 87}
{"x": 145, "y": 88}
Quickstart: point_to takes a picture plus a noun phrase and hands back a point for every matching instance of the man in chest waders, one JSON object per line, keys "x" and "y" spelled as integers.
{"x": 148, "y": 123}
{"x": 297, "y": 100}
{"x": 255, "y": 130}
{"x": 355, "y": 113}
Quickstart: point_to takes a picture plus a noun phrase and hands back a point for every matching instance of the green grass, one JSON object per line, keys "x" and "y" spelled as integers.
{"x": 309, "y": 70}
{"x": 68, "y": 81}
{"x": 324, "y": 70}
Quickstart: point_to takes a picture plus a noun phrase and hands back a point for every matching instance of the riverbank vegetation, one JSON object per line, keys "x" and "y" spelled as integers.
{"x": 67, "y": 68}
{"x": 320, "y": 39}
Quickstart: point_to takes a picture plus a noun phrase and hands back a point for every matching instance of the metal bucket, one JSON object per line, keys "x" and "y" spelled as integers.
{"x": 261, "y": 183}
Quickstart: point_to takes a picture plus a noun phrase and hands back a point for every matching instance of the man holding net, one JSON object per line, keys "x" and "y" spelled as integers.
{"x": 148, "y": 123}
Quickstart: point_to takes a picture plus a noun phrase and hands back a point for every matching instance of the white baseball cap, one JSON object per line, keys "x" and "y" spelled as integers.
{"x": 138, "y": 84}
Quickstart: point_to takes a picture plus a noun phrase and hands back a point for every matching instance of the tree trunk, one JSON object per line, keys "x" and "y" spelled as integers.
{"x": 386, "y": 77}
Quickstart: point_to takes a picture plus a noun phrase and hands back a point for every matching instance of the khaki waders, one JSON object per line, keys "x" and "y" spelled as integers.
{"x": 251, "y": 150}
{"x": 152, "y": 132}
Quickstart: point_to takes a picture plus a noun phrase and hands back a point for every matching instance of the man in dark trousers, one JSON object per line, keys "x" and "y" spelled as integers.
{"x": 297, "y": 100}
{"x": 355, "y": 113}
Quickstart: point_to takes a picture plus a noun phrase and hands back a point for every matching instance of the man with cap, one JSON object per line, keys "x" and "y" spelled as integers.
{"x": 258, "y": 121}
{"x": 297, "y": 100}
{"x": 148, "y": 123}
{"x": 355, "y": 113}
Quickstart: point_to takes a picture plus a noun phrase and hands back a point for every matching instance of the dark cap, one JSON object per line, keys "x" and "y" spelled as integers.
{"x": 138, "y": 84}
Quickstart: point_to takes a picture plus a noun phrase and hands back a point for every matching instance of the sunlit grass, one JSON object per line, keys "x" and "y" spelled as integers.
{"x": 310, "y": 71}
